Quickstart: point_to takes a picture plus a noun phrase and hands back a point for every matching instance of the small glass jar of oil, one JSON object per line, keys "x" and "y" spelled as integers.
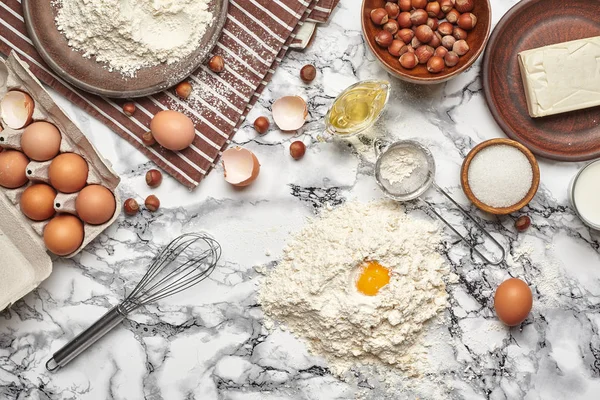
{"x": 357, "y": 108}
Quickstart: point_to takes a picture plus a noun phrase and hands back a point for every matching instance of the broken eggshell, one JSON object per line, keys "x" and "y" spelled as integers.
{"x": 16, "y": 109}
{"x": 289, "y": 112}
{"x": 240, "y": 166}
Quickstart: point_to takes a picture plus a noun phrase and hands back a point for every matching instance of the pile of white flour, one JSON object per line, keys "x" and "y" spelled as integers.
{"x": 131, "y": 34}
{"x": 312, "y": 292}
{"x": 398, "y": 164}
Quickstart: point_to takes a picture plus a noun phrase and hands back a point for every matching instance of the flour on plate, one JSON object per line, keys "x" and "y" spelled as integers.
{"x": 132, "y": 34}
{"x": 312, "y": 292}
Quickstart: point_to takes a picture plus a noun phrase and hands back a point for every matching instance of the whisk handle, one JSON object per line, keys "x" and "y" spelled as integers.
{"x": 85, "y": 339}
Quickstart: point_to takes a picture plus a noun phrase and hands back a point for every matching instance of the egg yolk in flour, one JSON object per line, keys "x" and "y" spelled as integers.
{"x": 373, "y": 277}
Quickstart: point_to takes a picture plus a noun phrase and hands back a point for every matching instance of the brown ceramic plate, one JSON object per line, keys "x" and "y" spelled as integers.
{"x": 573, "y": 136}
{"x": 94, "y": 77}
{"x": 477, "y": 38}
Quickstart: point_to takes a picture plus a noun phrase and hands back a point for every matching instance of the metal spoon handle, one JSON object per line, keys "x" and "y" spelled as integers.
{"x": 86, "y": 338}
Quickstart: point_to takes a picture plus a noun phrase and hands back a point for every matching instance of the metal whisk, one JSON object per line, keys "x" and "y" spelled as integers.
{"x": 186, "y": 261}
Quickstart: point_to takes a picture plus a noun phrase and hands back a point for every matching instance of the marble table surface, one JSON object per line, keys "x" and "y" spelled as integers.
{"x": 210, "y": 342}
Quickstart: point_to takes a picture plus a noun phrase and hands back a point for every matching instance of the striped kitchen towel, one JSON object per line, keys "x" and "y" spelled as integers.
{"x": 256, "y": 37}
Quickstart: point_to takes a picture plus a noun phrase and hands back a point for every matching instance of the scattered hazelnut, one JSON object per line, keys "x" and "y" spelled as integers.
{"x": 446, "y": 6}
{"x": 261, "y": 124}
{"x": 153, "y": 178}
{"x": 131, "y": 207}
{"x": 467, "y": 21}
{"x": 460, "y": 47}
{"x": 395, "y": 47}
{"x": 464, "y": 6}
{"x": 433, "y": 23}
{"x": 448, "y": 42}
{"x": 404, "y": 20}
{"x": 183, "y": 89}
{"x": 379, "y": 16}
{"x": 406, "y": 35}
{"x": 419, "y": 17}
{"x": 418, "y": 4}
{"x": 445, "y": 28}
{"x": 216, "y": 64}
{"x": 384, "y": 38}
{"x": 405, "y": 5}
{"x": 152, "y": 203}
{"x": 459, "y": 33}
{"x": 441, "y": 15}
{"x": 433, "y": 9}
{"x": 297, "y": 150}
{"x": 424, "y": 53}
{"x": 440, "y": 52}
{"x": 436, "y": 40}
{"x": 424, "y": 34}
{"x": 393, "y": 9}
{"x": 406, "y": 49}
{"x": 148, "y": 139}
{"x": 128, "y": 109}
{"x": 435, "y": 64}
{"x": 451, "y": 59}
{"x": 522, "y": 223}
{"x": 409, "y": 60}
{"x": 452, "y": 16}
{"x": 308, "y": 73}
{"x": 391, "y": 26}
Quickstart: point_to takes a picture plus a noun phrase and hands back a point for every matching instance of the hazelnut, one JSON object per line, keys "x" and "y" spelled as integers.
{"x": 460, "y": 47}
{"x": 459, "y": 33}
{"x": 152, "y": 203}
{"x": 418, "y": 4}
{"x": 395, "y": 47}
{"x": 391, "y": 26}
{"x": 308, "y": 73}
{"x": 392, "y": 9}
{"x": 424, "y": 34}
{"x": 522, "y": 223}
{"x": 433, "y": 23}
{"x": 445, "y": 28}
{"x": 467, "y": 21}
{"x": 441, "y": 15}
{"x": 384, "y": 38}
{"x": 436, "y": 41}
{"x": 406, "y": 49}
{"x": 440, "y": 52}
{"x": 435, "y": 64}
{"x": 415, "y": 43}
{"x": 297, "y": 150}
{"x": 409, "y": 60}
{"x": 153, "y": 178}
{"x": 216, "y": 64}
{"x": 379, "y": 16}
{"x": 404, "y": 20}
{"x": 451, "y": 59}
{"x": 183, "y": 89}
{"x": 406, "y": 35}
{"x": 464, "y": 6}
{"x": 418, "y": 17}
{"x": 424, "y": 53}
{"x": 452, "y": 16}
{"x": 446, "y": 6}
{"x": 448, "y": 42}
{"x": 261, "y": 124}
{"x": 405, "y": 5}
{"x": 148, "y": 139}
{"x": 433, "y": 9}
{"x": 128, "y": 109}
{"x": 131, "y": 207}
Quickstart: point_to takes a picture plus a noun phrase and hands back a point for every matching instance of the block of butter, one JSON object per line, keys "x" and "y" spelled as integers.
{"x": 561, "y": 77}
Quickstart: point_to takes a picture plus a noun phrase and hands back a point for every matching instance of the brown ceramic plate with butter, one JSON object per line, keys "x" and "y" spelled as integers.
{"x": 92, "y": 76}
{"x": 573, "y": 136}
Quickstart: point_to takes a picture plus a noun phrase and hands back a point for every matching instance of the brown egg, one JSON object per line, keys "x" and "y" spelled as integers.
{"x": 68, "y": 173}
{"x": 37, "y": 202}
{"x": 63, "y": 234}
{"x": 172, "y": 130}
{"x": 95, "y": 204}
{"x": 13, "y": 166}
{"x": 41, "y": 141}
{"x": 513, "y": 301}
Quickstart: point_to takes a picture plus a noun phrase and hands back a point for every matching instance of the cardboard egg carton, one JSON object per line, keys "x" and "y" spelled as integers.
{"x": 21, "y": 239}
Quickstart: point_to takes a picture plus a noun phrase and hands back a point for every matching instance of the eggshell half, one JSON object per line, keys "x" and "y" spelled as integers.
{"x": 241, "y": 167}
{"x": 289, "y": 113}
{"x": 16, "y": 109}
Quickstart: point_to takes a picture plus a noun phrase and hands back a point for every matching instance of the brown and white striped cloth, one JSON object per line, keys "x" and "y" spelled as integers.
{"x": 256, "y": 37}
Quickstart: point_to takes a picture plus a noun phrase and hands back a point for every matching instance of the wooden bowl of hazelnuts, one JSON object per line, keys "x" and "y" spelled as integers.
{"x": 424, "y": 41}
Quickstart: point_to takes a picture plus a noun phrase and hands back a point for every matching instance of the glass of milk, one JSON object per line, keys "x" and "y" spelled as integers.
{"x": 585, "y": 194}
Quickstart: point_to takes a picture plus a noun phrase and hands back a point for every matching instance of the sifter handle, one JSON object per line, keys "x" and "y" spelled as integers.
{"x": 86, "y": 338}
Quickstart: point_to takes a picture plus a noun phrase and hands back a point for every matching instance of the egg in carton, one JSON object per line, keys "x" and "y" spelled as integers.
{"x": 28, "y": 235}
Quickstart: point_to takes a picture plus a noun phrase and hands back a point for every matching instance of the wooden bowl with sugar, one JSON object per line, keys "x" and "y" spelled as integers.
{"x": 464, "y": 176}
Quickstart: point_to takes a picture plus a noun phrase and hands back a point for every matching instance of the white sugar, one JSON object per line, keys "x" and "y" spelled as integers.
{"x": 500, "y": 176}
